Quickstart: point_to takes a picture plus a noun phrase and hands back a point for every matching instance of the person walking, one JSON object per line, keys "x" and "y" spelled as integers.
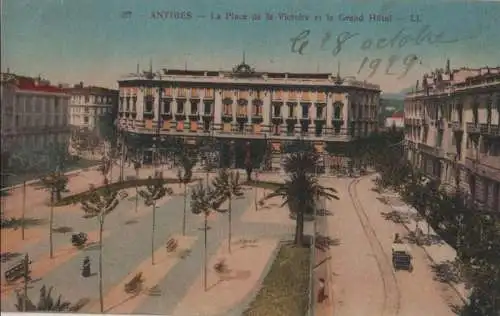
{"x": 322, "y": 291}
{"x": 86, "y": 267}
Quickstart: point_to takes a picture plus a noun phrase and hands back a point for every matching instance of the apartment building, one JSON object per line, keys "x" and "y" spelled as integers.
{"x": 243, "y": 104}
{"x": 88, "y": 103}
{"x": 34, "y": 116}
{"x": 452, "y": 130}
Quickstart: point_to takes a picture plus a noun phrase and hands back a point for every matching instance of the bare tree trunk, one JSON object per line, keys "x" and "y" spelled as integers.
{"x": 51, "y": 222}
{"x": 207, "y": 178}
{"x": 101, "y": 296}
{"x": 229, "y": 210}
{"x": 205, "y": 255}
{"x": 153, "y": 235}
{"x": 184, "y": 212}
{"x": 255, "y": 198}
{"x": 299, "y": 227}
{"x": 136, "y": 190}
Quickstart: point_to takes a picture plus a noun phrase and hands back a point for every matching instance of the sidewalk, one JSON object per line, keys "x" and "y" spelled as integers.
{"x": 439, "y": 253}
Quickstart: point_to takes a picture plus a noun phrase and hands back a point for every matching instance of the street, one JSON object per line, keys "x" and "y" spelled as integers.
{"x": 363, "y": 281}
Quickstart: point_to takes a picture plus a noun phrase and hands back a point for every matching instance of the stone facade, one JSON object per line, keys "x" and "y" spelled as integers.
{"x": 452, "y": 123}
{"x": 246, "y": 104}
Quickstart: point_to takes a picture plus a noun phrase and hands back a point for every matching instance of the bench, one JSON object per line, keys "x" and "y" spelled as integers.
{"x": 16, "y": 271}
{"x": 171, "y": 244}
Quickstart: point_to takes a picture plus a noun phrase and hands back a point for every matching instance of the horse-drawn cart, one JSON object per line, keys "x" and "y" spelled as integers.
{"x": 401, "y": 257}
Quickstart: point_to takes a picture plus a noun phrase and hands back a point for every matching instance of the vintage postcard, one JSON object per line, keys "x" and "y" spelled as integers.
{"x": 323, "y": 157}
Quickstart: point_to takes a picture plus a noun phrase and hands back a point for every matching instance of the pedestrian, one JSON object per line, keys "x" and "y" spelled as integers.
{"x": 86, "y": 267}
{"x": 322, "y": 290}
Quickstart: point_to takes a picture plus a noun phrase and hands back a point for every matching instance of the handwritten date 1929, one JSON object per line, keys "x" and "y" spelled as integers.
{"x": 393, "y": 64}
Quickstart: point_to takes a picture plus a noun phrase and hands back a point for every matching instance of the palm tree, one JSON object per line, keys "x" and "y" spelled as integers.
{"x": 185, "y": 175}
{"x": 302, "y": 162}
{"x": 98, "y": 204}
{"x": 203, "y": 202}
{"x": 153, "y": 193}
{"x": 55, "y": 183}
{"x": 300, "y": 193}
{"x": 227, "y": 186}
{"x": 46, "y": 303}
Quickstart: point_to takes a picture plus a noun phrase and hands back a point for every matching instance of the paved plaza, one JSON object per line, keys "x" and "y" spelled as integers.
{"x": 357, "y": 266}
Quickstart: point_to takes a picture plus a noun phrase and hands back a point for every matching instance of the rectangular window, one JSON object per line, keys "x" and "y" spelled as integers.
{"x": 194, "y": 107}
{"x": 166, "y": 106}
{"x": 305, "y": 111}
{"x": 207, "y": 108}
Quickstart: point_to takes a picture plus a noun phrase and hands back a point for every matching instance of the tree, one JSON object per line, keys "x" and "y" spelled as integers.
{"x": 227, "y": 186}
{"x": 248, "y": 161}
{"x": 154, "y": 191}
{"x": 98, "y": 204}
{"x": 301, "y": 193}
{"x": 203, "y": 202}
{"x": 55, "y": 183}
{"x": 302, "y": 162}
{"x": 46, "y": 303}
{"x": 188, "y": 160}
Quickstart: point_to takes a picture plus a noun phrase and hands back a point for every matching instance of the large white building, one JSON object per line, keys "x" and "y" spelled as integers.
{"x": 245, "y": 104}
{"x": 452, "y": 128}
{"x": 34, "y": 116}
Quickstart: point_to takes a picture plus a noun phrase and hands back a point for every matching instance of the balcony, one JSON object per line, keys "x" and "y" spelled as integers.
{"x": 486, "y": 166}
{"x": 194, "y": 116}
{"x": 457, "y": 126}
{"x": 227, "y": 117}
{"x": 473, "y": 128}
{"x": 257, "y": 118}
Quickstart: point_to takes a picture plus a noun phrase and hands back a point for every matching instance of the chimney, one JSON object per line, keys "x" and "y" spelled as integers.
{"x": 81, "y": 84}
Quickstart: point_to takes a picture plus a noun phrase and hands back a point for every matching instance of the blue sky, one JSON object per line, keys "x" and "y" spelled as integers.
{"x": 89, "y": 40}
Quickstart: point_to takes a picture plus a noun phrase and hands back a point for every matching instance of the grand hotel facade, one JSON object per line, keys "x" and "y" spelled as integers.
{"x": 452, "y": 129}
{"x": 243, "y": 104}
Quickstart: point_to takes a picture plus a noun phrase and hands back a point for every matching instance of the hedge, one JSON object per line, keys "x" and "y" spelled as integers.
{"x": 76, "y": 198}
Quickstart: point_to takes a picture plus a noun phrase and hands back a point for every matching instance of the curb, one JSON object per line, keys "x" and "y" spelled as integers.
{"x": 450, "y": 284}
{"x": 250, "y": 297}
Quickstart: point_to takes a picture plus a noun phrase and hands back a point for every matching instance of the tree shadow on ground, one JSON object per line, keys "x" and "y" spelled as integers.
{"x": 396, "y": 217}
{"x": 16, "y": 223}
{"x": 62, "y": 230}
{"x": 382, "y": 200}
{"x": 7, "y": 256}
{"x": 131, "y": 221}
{"x": 447, "y": 272}
{"x": 423, "y": 239}
{"x": 323, "y": 243}
{"x": 323, "y": 212}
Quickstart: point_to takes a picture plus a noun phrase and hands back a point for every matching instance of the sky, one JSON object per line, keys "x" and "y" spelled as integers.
{"x": 101, "y": 41}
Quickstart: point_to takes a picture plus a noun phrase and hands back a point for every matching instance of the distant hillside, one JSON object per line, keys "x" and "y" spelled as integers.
{"x": 393, "y": 105}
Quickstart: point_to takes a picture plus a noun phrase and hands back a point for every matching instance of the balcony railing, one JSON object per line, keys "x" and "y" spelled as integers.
{"x": 457, "y": 126}
{"x": 473, "y": 128}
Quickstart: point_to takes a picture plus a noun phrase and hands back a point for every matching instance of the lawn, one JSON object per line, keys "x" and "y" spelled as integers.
{"x": 285, "y": 288}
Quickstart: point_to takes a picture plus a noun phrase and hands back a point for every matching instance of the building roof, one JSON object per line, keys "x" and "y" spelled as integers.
{"x": 30, "y": 84}
{"x": 80, "y": 90}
